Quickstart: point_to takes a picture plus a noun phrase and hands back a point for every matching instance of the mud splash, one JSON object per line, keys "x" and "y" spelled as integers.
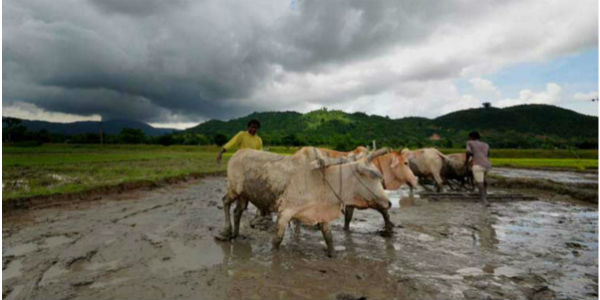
{"x": 159, "y": 244}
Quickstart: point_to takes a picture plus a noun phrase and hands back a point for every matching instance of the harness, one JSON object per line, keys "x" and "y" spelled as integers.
{"x": 338, "y": 196}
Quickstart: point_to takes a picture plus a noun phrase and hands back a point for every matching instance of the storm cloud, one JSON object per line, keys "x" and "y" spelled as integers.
{"x": 188, "y": 61}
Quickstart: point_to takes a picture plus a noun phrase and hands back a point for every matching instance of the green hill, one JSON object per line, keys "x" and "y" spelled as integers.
{"x": 523, "y": 126}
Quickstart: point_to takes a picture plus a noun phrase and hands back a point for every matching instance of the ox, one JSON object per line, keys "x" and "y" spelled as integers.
{"x": 394, "y": 168}
{"x": 457, "y": 168}
{"x": 300, "y": 187}
{"x": 426, "y": 163}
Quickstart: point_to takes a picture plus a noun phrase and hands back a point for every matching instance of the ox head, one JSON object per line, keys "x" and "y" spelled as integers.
{"x": 401, "y": 170}
{"x": 368, "y": 187}
{"x": 362, "y": 177}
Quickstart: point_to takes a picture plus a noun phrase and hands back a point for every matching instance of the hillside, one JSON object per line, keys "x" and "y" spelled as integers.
{"x": 533, "y": 119}
{"x": 523, "y": 126}
{"x": 108, "y": 127}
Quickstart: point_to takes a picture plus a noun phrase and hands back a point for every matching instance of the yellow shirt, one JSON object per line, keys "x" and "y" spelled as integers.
{"x": 243, "y": 140}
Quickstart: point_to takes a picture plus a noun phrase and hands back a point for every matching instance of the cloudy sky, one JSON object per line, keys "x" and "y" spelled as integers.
{"x": 180, "y": 62}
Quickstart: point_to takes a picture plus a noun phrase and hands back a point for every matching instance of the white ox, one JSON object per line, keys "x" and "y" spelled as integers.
{"x": 395, "y": 170}
{"x": 304, "y": 186}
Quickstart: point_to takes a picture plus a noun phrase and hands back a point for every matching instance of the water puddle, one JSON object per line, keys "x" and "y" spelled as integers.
{"x": 558, "y": 241}
{"x": 401, "y": 198}
{"x": 507, "y": 271}
{"x": 188, "y": 256}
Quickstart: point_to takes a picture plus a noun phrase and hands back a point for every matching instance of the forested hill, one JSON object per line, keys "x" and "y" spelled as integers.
{"x": 523, "y": 126}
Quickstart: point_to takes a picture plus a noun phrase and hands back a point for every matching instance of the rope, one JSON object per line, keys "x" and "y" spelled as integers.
{"x": 360, "y": 181}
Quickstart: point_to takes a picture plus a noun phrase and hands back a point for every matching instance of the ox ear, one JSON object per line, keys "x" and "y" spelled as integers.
{"x": 395, "y": 162}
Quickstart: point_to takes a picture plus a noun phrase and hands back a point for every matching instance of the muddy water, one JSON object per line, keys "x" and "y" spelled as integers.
{"x": 159, "y": 244}
{"x": 557, "y": 176}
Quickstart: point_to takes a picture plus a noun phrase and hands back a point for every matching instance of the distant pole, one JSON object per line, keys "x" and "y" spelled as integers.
{"x": 374, "y": 145}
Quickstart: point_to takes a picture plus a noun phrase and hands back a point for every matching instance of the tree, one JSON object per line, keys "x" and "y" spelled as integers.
{"x": 220, "y": 139}
{"x": 291, "y": 140}
{"x": 132, "y": 136}
{"x": 13, "y": 129}
{"x": 165, "y": 140}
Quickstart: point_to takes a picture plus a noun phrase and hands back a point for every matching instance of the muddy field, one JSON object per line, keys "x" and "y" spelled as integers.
{"x": 159, "y": 244}
{"x": 556, "y": 176}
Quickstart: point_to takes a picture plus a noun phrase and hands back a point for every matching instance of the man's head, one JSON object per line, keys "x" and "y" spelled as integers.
{"x": 253, "y": 126}
{"x": 474, "y": 135}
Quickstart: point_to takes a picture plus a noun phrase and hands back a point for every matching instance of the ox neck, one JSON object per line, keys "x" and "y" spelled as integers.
{"x": 338, "y": 178}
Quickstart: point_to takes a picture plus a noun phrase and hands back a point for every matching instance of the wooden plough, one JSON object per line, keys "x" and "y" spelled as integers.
{"x": 475, "y": 197}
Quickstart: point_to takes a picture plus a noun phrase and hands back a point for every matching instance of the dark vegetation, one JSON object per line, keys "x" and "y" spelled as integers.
{"x": 524, "y": 126}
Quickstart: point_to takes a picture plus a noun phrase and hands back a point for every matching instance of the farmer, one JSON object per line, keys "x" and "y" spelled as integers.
{"x": 244, "y": 139}
{"x": 480, "y": 152}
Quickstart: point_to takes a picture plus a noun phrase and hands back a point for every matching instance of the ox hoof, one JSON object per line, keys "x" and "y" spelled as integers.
{"x": 386, "y": 233}
{"x": 224, "y": 236}
{"x": 276, "y": 243}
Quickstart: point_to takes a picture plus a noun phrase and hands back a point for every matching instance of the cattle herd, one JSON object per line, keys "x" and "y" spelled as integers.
{"x": 316, "y": 185}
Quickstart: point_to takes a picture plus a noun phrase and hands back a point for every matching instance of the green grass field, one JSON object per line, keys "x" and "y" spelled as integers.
{"x": 59, "y": 169}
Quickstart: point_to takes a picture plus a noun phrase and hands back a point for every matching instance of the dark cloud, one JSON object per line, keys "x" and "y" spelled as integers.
{"x": 181, "y": 61}
{"x": 138, "y": 7}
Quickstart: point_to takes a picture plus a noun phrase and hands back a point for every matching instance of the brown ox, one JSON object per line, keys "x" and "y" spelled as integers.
{"x": 300, "y": 187}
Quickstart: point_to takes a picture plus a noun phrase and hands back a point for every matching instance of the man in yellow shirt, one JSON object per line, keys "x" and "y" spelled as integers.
{"x": 244, "y": 139}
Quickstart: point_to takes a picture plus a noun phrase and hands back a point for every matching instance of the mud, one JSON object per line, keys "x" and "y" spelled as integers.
{"x": 159, "y": 244}
{"x": 556, "y": 176}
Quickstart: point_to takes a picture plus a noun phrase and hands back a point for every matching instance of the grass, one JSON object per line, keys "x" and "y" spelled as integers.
{"x": 53, "y": 169}
{"x": 536, "y": 153}
{"x": 65, "y": 169}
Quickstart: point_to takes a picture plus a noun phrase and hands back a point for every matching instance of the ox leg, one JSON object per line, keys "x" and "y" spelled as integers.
{"x": 328, "y": 238}
{"x": 388, "y": 226}
{"x": 226, "y": 233}
{"x": 282, "y": 221}
{"x": 438, "y": 182}
{"x": 239, "y": 210}
{"x": 349, "y": 211}
{"x": 297, "y": 225}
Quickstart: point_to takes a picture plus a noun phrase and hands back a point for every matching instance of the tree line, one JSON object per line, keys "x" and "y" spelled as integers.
{"x": 343, "y": 140}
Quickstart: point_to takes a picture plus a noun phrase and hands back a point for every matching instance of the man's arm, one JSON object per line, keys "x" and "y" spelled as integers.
{"x": 469, "y": 153}
{"x": 233, "y": 142}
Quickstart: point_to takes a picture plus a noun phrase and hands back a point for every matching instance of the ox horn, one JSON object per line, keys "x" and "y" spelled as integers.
{"x": 377, "y": 153}
{"x": 321, "y": 162}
